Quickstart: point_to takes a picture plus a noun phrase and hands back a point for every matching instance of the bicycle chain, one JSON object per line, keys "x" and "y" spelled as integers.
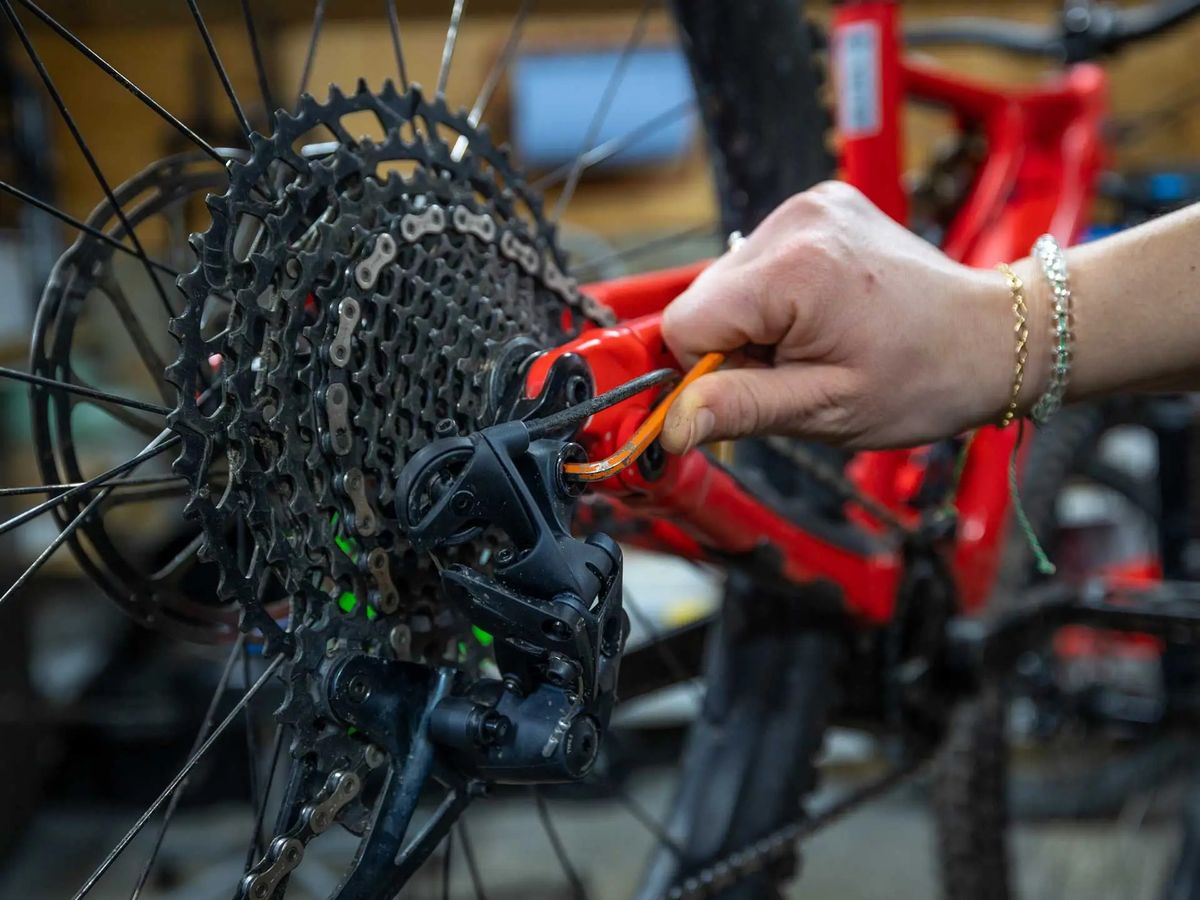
{"x": 747, "y": 861}
{"x": 367, "y": 309}
{"x": 832, "y": 478}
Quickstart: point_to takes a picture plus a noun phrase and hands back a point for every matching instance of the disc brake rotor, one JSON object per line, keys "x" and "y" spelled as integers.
{"x": 156, "y": 582}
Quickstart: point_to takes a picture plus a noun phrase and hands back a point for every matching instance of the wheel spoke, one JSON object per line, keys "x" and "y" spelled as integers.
{"x": 649, "y": 667}
{"x": 63, "y": 536}
{"x": 434, "y": 831}
{"x": 652, "y": 825}
{"x": 469, "y": 855}
{"x": 156, "y": 367}
{"x": 447, "y": 849}
{"x": 252, "y": 852}
{"x": 313, "y": 37}
{"x": 556, "y": 844}
{"x": 448, "y": 48}
{"x": 154, "y": 449}
{"x": 56, "y": 488}
{"x": 83, "y": 227}
{"x": 187, "y": 554}
{"x": 83, "y": 391}
{"x": 256, "y": 802}
{"x": 610, "y": 148}
{"x": 606, "y": 101}
{"x": 77, "y": 135}
{"x": 146, "y": 495}
{"x": 394, "y": 27}
{"x": 592, "y": 266}
{"x": 126, "y": 417}
{"x": 206, "y": 36}
{"x": 120, "y": 79}
{"x": 177, "y": 780}
{"x": 672, "y": 662}
{"x": 260, "y": 66}
{"x": 499, "y": 67}
{"x": 210, "y": 716}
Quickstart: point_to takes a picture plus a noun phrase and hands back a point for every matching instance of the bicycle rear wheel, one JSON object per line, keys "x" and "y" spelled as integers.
{"x": 767, "y": 668}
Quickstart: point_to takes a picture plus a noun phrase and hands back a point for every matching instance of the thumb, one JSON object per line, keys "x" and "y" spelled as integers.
{"x": 739, "y": 402}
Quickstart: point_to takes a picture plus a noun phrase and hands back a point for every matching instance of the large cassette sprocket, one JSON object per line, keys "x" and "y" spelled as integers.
{"x": 349, "y": 303}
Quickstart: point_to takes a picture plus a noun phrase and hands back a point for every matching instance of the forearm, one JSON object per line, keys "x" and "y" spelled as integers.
{"x": 1136, "y": 311}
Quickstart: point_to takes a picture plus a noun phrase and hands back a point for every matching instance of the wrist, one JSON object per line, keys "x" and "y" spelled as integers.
{"x": 986, "y": 338}
{"x": 1039, "y": 303}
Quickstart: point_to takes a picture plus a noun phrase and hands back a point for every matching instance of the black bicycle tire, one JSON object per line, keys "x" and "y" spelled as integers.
{"x": 972, "y": 789}
{"x": 748, "y": 759}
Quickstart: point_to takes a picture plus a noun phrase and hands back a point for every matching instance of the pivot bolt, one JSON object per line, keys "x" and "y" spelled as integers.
{"x": 493, "y": 728}
{"x": 560, "y": 671}
{"x": 359, "y": 689}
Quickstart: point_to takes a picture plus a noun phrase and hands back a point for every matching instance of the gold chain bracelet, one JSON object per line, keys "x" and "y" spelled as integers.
{"x": 1017, "y": 289}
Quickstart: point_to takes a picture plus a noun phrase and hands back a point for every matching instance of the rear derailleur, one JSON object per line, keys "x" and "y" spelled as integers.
{"x": 551, "y": 602}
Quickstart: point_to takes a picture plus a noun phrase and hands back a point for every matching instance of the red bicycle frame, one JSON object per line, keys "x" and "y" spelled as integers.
{"x": 1044, "y": 151}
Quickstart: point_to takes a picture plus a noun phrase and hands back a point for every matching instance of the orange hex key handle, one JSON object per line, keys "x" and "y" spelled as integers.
{"x": 646, "y": 432}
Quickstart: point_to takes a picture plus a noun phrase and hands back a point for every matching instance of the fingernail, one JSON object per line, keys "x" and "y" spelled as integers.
{"x": 703, "y": 423}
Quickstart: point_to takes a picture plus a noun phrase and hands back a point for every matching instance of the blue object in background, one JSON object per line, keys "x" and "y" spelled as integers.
{"x": 556, "y": 94}
{"x": 1169, "y": 187}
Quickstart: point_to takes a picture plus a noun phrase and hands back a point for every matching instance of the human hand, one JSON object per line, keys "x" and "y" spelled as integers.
{"x": 871, "y": 337}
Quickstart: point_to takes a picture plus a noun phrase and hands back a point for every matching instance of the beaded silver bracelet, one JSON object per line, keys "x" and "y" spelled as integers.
{"x": 1054, "y": 266}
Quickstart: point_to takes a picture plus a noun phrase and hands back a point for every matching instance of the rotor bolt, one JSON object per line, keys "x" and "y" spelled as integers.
{"x": 505, "y": 556}
{"x": 446, "y": 428}
{"x": 462, "y": 502}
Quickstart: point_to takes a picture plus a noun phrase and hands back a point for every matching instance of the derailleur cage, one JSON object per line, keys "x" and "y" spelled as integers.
{"x": 552, "y": 602}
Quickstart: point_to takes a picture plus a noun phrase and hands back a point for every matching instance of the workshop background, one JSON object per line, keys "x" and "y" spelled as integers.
{"x": 95, "y": 714}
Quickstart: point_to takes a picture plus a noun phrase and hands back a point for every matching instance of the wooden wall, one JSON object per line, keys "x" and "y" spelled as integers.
{"x": 158, "y": 48}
